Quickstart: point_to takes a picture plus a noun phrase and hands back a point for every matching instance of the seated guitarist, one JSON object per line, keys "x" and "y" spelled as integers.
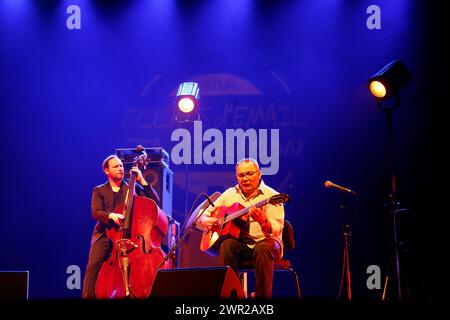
{"x": 260, "y": 237}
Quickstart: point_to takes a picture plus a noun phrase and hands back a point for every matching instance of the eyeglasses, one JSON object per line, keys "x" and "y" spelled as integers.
{"x": 248, "y": 174}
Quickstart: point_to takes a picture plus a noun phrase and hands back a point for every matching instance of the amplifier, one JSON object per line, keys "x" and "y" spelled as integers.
{"x": 154, "y": 155}
{"x": 157, "y": 173}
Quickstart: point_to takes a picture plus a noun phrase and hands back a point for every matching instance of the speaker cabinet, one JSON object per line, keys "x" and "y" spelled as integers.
{"x": 14, "y": 285}
{"x": 217, "y": 282}
{"x": 161, "y": 178}
{"x": 157, "y": 172}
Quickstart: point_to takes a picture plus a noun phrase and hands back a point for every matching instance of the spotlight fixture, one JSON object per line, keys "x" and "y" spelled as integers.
{"x": 187, "y": 100}
{"x": 385, "y": 86}
{"x": 387, "y": 82}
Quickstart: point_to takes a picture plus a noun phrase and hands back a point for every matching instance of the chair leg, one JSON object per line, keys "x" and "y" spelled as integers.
{"x": 244, "y": 282}
{"x": 297, "y": 283}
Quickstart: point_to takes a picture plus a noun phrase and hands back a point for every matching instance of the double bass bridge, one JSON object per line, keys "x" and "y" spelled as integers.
{"x": 125, "y": 246}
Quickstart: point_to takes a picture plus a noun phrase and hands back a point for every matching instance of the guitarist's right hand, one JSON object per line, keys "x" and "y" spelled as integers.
{"x": 207, "y": 221}
{"x": 116, "y": 217}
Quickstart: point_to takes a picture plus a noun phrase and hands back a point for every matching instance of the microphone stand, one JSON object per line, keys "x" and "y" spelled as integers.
{"x": 346, "y": 234}
{"x": 176, "y": 245}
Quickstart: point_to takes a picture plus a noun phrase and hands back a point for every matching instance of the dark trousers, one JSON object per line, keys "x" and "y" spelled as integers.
{"x": 234, "y": 253}
{"x": 100, "y": 251}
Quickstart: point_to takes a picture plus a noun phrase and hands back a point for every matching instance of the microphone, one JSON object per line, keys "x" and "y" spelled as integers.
{"x": 210, "y": 201}
{"x": 332, "y": 185}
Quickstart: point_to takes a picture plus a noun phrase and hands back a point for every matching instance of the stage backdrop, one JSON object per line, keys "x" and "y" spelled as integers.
{"x": 281, "y": 81}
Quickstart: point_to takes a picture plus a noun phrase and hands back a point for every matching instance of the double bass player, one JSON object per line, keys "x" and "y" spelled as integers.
{"x": 105, "y": 198}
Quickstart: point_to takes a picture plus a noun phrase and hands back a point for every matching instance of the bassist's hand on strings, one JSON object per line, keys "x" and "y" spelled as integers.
{"x": 139, "y": 177}
{"x": 116, "y": 217}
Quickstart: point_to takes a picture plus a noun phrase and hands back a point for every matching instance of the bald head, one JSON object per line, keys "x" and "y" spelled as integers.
{"x": 248, "y": 160}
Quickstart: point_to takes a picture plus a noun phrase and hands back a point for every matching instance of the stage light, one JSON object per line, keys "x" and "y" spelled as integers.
{"x": 385, "y": 86}
{"x": 188, "y": 97}
{"x": 186, "y": 105}
{"x": 378, "y": 89}
{"x": 387, "y": 82}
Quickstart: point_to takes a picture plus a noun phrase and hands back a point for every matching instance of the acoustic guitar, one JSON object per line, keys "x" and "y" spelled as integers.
{"x": 227, "y": 227}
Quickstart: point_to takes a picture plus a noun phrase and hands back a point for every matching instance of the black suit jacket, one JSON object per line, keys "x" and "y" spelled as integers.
{"x": 103, "y": 203}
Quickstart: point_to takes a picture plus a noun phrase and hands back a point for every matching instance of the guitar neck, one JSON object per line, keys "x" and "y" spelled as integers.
{"x": 239, "y": 213}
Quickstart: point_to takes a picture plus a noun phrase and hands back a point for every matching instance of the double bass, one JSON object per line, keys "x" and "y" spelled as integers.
{"x": 136, "y": 255}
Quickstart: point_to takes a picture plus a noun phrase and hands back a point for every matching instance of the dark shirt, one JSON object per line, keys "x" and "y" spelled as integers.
{"x": 117, "y": 199}
{"x": 105, "y": 201}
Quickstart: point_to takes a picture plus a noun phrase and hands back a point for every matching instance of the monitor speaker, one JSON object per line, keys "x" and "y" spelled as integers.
{"x": 217, "y": 282}
{"x": 13, "y": 285}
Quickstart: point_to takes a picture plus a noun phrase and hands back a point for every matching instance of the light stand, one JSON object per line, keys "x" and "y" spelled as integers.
{"x": 393, "y": 207}
{"x": 385, "y": 86}
{"x": 187, "y": 100}
{"x": 392, "y": 204}
{"x": 186, "y": 189}
{"x": 173, "y": 244}
{"x": 186, "y": 198}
